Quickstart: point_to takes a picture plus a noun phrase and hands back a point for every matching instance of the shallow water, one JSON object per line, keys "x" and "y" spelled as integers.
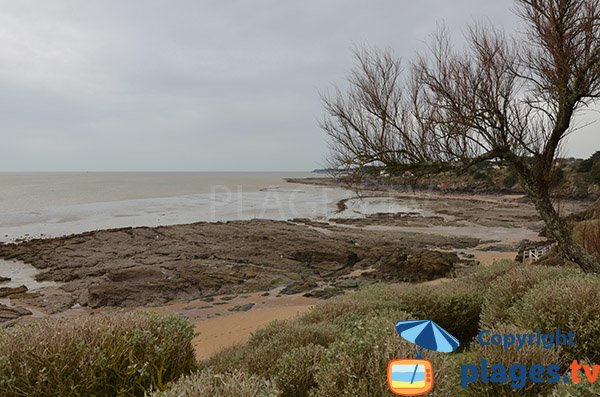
{"x": 21, "y": 274}
{"x": 22, "y": 192}
{"x": 221, "y": 205}
{"x": 359, "y": 208}
{"x": 64, "y": 204}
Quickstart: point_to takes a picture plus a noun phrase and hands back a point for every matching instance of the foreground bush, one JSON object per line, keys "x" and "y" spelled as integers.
{"x": 103, "y": 356}
{"x": 508, "y": 289}
{"x": 342, "y": 346}
{"x": 295, "y": 370}
{"x": 529, "y": 355}
{"x": 482, "y": 276}
{"x": 267, "y": 345}
{"x": 355, "y": 365}
{"x": 230, "y": 384}
{"x": 378, "y": 299}
{"x": 569, "y": 304}
{"x": 582, "y": 389}
{"x": 587, "y": 233}
{"x": 454, "y": 305}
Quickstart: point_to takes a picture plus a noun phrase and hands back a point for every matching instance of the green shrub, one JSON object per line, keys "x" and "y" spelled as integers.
{"x": 595, "y": 172}
{"x": 569, "y": 304}
{"x": 100, "y": 355}
{"x": 356, "y": 363}
{"x": 510, "y": 180}
{"x": 370, "y": 300}
{"x": 587, "y": 233}
{"x": 482, "y": 276}
{"x": 509, "y": 288}
{"x": 480, "y": 175}
{"x": 295, "y": 370}
{"x": 454, "y": 305}
{"x": 231, "y": 384}
{"x": 582, "y": 389}
{"x": 259, "y": 356}
{"x": 528, "y": 355}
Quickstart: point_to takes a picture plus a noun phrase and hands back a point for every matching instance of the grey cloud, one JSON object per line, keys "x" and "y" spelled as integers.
{"x": 193, "y": 85}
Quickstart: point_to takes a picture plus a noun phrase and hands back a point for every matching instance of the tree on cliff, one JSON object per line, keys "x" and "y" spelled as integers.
{"x": 507, "y": 98}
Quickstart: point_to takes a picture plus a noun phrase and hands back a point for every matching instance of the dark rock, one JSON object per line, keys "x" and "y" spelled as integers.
{"x": 393, "y": 264}
{"x": 418, "y": 265}
{"x": 242, "y": 308}
{"x": 7, "y": 291}
{"x": 26, "y": 295}
{"x": 4, "y": 279}
{"x": 12, "y": 313}
{"x": 325, "y": 293}
{"x": 328, "y": 268}
{"x": 333, "y": 260}
{"x": 298, "y": 287}
{"x": 499, "y": 248}
{"x": 347, "y": 283}
{"x": 132, "y": 267}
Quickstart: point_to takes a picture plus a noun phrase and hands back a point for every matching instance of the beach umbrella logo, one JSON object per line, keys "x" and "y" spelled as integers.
{"x": 414, "y": 377}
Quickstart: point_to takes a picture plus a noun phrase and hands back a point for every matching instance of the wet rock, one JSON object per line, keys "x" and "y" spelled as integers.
{"x": 242, "y": 308}
{"x": 298, "y": 287}
{"x": 7, "y": 291}
{"x": 12, "y": 313}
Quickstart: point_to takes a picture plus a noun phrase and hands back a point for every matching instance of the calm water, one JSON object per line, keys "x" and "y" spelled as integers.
{"x": 54, "y": 204}
{"x": 33, "y": 191}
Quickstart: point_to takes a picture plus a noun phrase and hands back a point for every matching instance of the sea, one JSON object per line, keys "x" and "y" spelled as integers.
{"x": 41, "y": 205}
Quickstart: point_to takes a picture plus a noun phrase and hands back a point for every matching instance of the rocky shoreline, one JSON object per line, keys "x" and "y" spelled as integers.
{"x": 152, "y": 266}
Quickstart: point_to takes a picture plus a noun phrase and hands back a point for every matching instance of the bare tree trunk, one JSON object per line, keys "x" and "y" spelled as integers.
{"x": 558, "y": 228}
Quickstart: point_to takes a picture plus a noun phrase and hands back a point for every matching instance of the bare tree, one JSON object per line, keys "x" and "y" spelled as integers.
{"x": 512, "y": 99}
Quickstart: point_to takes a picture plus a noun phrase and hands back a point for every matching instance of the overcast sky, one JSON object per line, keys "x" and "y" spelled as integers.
{"x": 199, "y": 85}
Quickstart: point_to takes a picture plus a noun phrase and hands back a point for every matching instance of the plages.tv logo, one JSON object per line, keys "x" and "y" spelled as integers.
{"x": 414, "y": 377}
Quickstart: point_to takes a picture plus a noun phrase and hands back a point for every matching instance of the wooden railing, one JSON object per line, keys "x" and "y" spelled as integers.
{"x": 533, "y": 254}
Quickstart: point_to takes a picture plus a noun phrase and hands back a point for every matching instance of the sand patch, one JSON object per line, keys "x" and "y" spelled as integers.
{"x": 219, "y": 333}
